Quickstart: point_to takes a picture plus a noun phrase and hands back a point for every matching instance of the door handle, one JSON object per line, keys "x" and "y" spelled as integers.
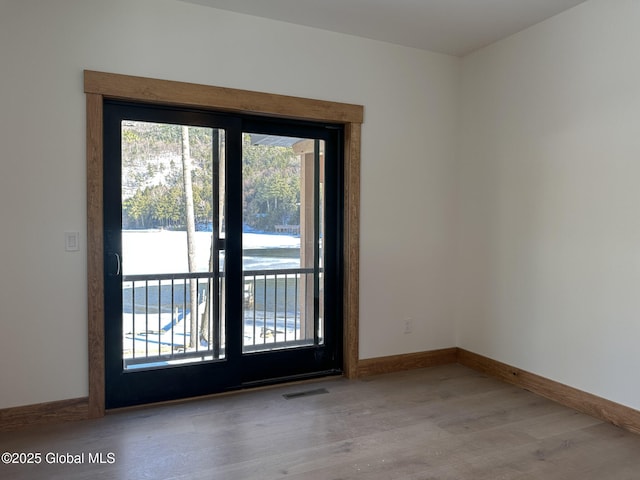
{"x": 118, "y": 263}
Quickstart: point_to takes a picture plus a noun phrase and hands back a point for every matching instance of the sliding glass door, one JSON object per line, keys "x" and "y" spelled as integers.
{"x": 222, "y": 252}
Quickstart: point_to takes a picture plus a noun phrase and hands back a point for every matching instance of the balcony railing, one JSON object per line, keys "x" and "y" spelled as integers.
{"x": 278, "y": 313}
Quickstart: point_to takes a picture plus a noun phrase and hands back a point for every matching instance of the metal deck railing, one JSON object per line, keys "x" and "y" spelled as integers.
{"x": 157, "y": 315}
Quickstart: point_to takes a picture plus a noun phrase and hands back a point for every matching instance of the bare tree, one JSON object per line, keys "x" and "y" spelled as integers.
{"x": 191, "y": 234}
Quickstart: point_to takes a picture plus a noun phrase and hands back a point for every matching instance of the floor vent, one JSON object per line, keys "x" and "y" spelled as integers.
{"x": 306, "y": 393}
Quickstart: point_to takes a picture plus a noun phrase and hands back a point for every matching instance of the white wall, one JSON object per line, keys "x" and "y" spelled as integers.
{"x": 547, "y": 263}
{"x": 407, "y": 162}
{"x": 548, "y": 274}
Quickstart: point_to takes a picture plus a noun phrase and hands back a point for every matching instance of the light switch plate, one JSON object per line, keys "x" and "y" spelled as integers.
{"x": 71, "y": 241}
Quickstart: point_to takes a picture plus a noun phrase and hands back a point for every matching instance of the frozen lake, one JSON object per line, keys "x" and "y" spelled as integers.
{"x": 164, "y": 251}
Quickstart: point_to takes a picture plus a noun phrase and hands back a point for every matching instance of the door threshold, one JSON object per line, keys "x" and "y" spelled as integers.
{"x": 246, "y": 387}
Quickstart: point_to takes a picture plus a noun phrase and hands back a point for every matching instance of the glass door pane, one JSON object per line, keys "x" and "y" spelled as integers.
{"x": 282, "y": 237}
{"x": 172, "y": 235}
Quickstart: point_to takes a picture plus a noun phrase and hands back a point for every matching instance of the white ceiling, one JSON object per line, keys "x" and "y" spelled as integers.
{"x": 454, "y": 27}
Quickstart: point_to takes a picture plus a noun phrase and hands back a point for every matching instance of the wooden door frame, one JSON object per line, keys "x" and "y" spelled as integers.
{"x": 99, "y": 86}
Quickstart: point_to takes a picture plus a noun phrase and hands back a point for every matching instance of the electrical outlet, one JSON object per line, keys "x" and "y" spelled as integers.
{"x": 408, "y": 326}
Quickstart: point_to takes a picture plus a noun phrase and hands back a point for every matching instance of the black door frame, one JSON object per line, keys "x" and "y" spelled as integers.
{"x": 237, "y": 370}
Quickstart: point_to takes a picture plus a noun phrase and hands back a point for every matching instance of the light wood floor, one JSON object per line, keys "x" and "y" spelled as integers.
{"x": 439, "y": 423}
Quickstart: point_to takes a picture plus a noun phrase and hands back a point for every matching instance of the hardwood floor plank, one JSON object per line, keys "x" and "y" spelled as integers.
{"x": 446, "y": 422}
